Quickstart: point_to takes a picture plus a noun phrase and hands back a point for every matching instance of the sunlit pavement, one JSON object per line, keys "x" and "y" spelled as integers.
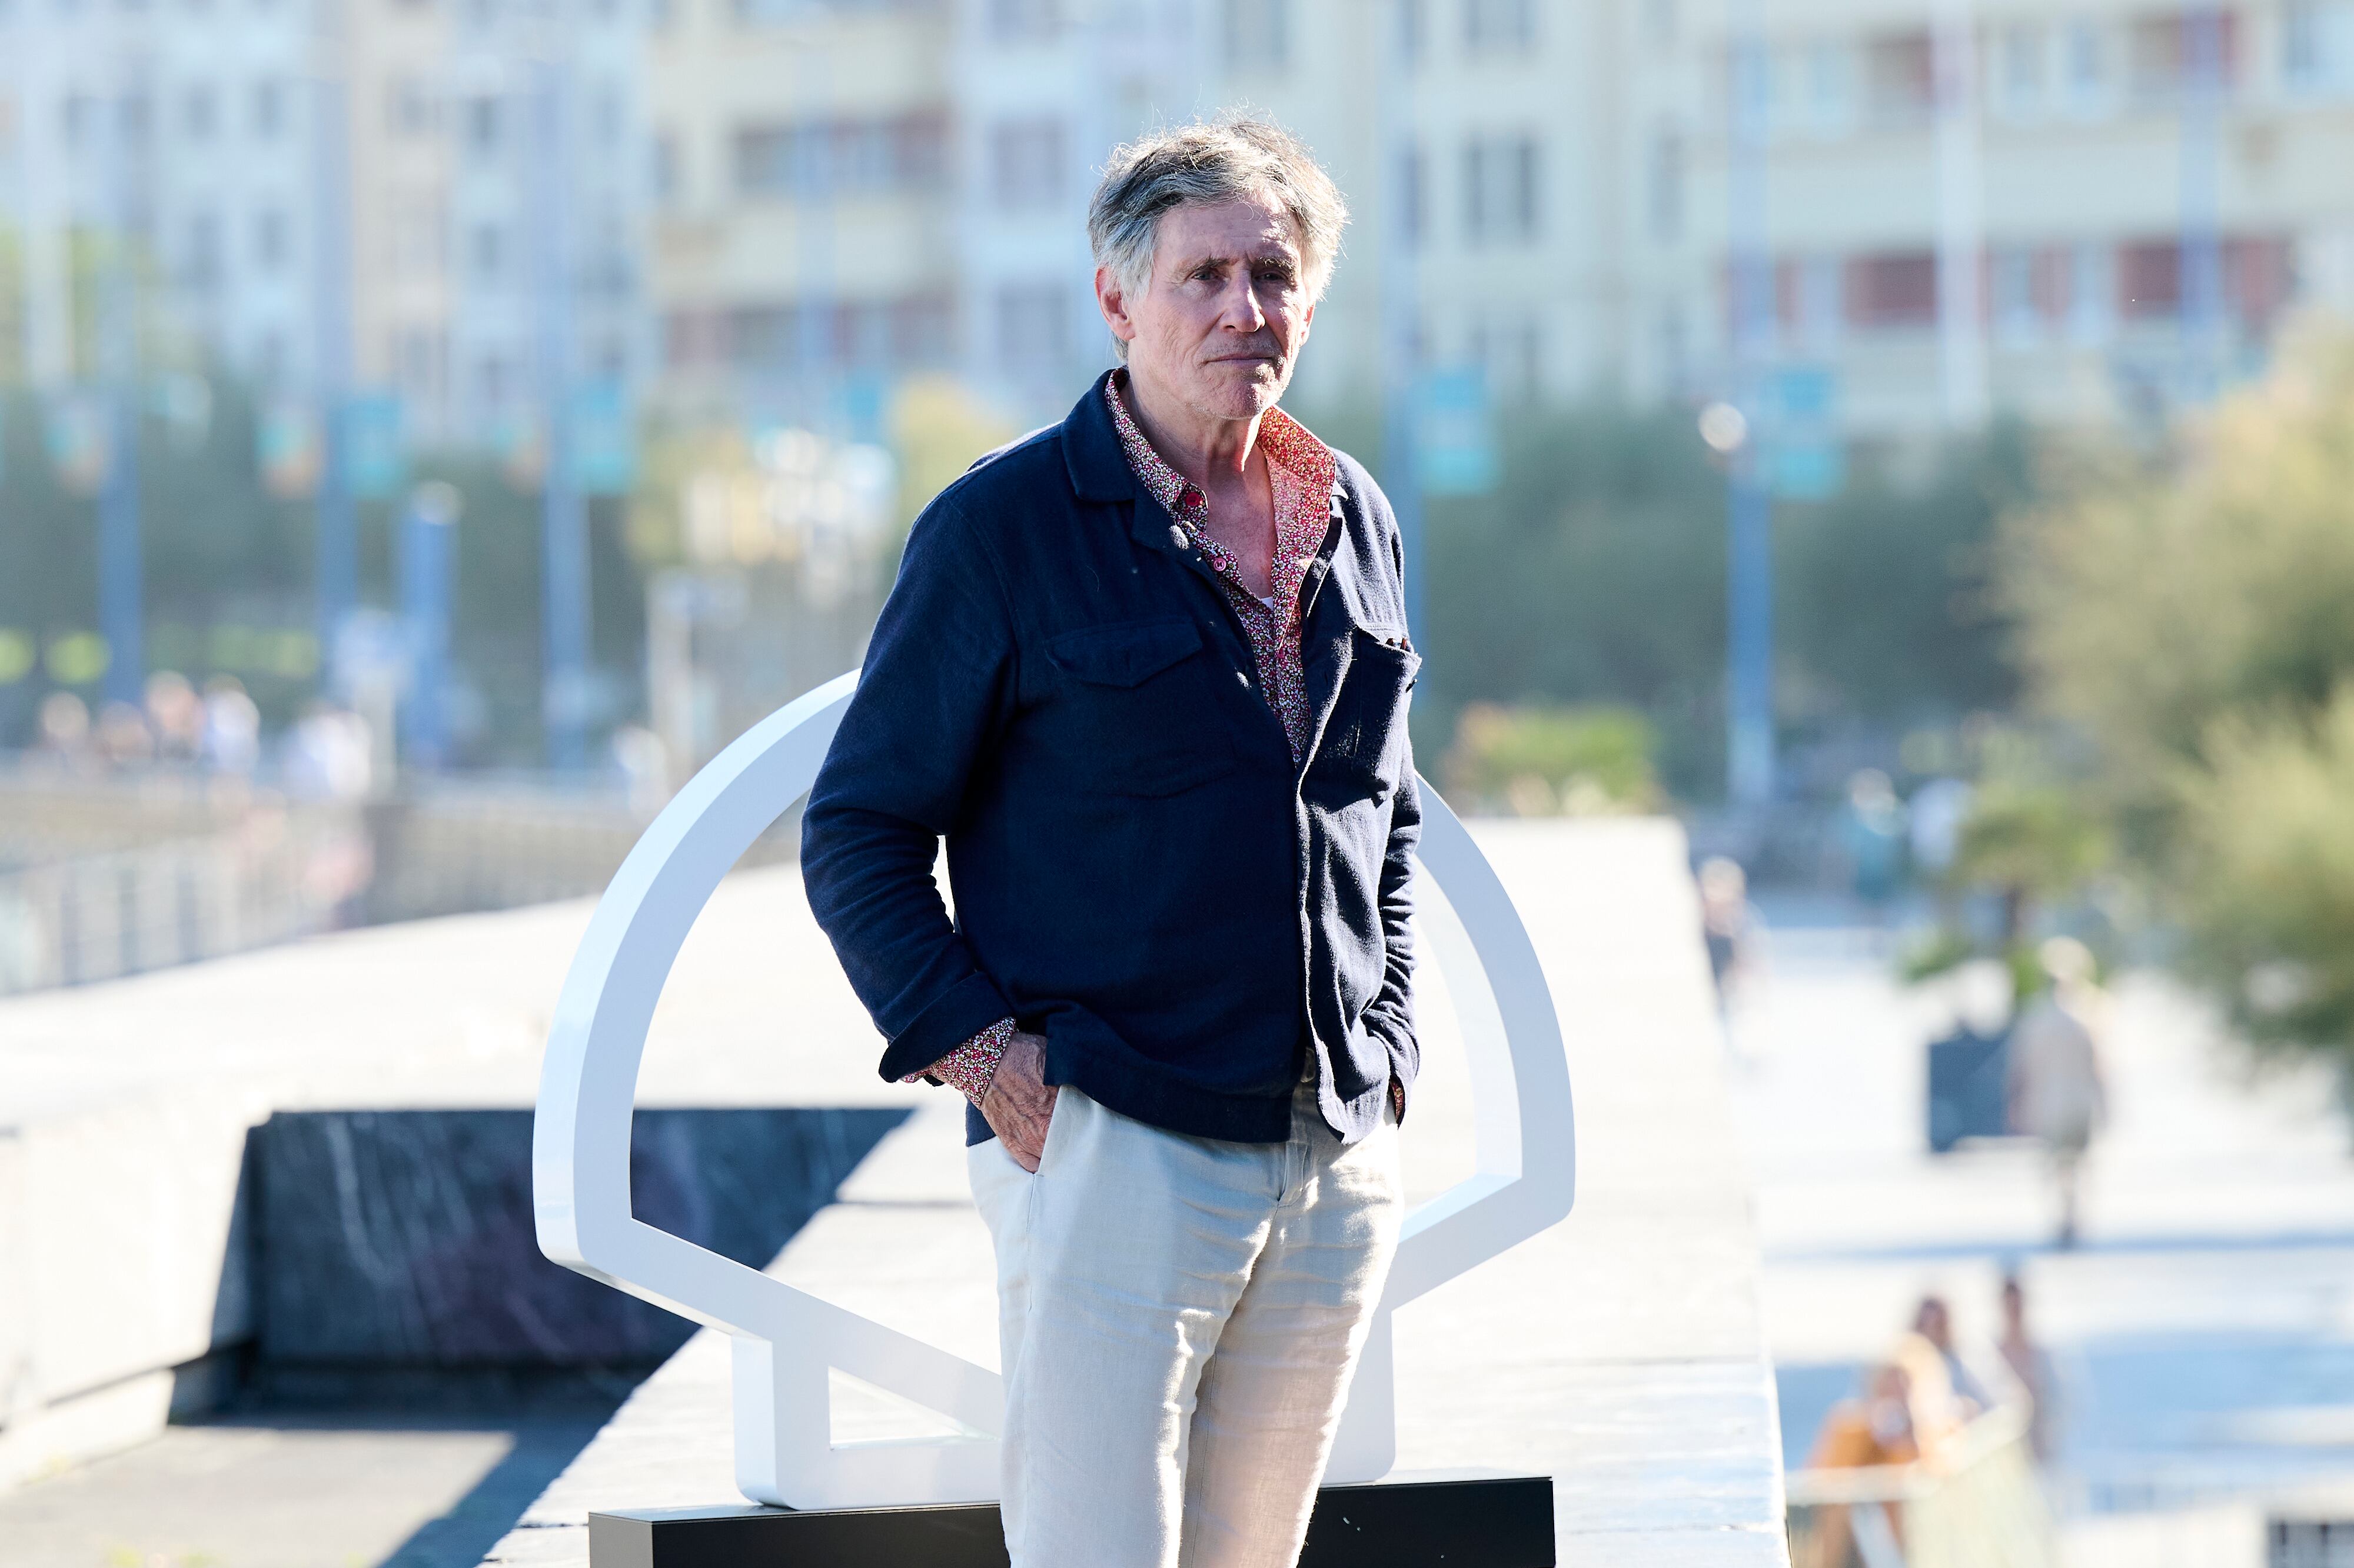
{"x": 2204, "y": 1327}
{"x": 339, "y": 1492}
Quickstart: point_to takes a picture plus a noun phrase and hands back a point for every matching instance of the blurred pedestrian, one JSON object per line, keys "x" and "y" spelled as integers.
{"x": 1933, "y": 1321}
{"x": 176, "y": 717}
{"x": 232, "y": 728}
{"x": 2031, "y": 1366}
{"x": 124, "y": 738}
{"x": 1874, "y": 1428}
{"x": 65, "y": 730}
{"x": 2057, "y": 1091}
{"x": 1936, "y": 811}
{"x": 1728, "y": 923}
{"x": 328, "y": 755}
{"x": 1871, "y": 834}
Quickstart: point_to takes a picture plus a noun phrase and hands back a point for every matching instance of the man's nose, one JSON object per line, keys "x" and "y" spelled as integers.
{"x": 1243, "y": 309}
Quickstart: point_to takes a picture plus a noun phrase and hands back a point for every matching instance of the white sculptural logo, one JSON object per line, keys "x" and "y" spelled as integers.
{"x": 786, "y": 1340}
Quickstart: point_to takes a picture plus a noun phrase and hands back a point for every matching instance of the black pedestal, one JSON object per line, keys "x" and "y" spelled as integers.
{"x": 1498, "y": 1522}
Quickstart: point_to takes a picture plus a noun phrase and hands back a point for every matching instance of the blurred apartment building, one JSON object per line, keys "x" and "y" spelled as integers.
{"x": 859, "y": 191}
{"x": 1947, "y": 209}
{"x": 1904, "y": 214}
{"x": 2091, "y": 211}
{"x": 327, "y": 198}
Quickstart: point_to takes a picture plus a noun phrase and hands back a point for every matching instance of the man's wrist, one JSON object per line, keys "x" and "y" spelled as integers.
{"x": 972, "y": 1067}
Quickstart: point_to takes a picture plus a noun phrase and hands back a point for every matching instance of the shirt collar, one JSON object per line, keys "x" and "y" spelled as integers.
{"x": 1284, "y": 440}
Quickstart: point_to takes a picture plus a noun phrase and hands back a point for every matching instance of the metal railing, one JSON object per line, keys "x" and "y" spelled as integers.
{"x": 1973, "y": 1503}
{"x": 275, "y": 876}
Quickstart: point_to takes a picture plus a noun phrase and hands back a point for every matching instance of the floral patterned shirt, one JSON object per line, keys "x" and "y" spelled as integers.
{"x": 1300, "y": 471}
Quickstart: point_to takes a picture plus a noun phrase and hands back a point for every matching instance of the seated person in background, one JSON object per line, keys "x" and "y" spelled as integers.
{"x": 1933, "y": 1321}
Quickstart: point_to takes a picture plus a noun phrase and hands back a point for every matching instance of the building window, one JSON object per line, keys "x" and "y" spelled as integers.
{"x": 268, "y": 108}
{"x": 1257, "y": 34}
{"x": 922, "y": 331}
{"x": 1501, "y": 178}
{"x": 669, "y": 179}
{"x": 1033, "y": 323}
{"x": 2088, "y": 63}
{"x": 2149, "y": 280}
{"x": 202, "y": 266}
{"x": 1491, "y": 26}
{"x": 1412, "y": 198}
{"x": 1830, "y": 86}
{"x": 2011, "y": 293}
{"x": 407, "y": 110}
{"x": 1024, "y": 21}
{"x": 1665, "y": 187}
{"x": 2186, "y": 52}
{"x": 1818, "y": 303}
{"x": 1026, "y": 159}
{"x": 1899, "y": 78}
{"x": 820, "y": 159}
{"x": 1893, "y": 291}
{"x": 486, "y": 252}
{"x": 270, "y": 240}
{"x": 1411, "y": 21}
{"x": 2092, "y": 286}
{"x": 484, "y": 126}
{"x": 198, "y": 115}
{"x": 2023, "y": 65}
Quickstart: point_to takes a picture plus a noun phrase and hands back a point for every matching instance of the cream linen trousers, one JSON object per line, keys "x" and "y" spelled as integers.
{"x": 1179, "y": 1318}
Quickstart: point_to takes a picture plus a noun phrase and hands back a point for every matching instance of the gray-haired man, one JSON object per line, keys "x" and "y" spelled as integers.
{"x": 1148, "y": 674}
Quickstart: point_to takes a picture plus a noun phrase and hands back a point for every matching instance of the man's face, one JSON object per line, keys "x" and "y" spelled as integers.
{"x": 1220, "y": 324}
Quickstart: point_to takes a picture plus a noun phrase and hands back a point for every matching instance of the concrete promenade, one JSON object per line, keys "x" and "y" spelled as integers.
{"x": 1621, "y": 1352}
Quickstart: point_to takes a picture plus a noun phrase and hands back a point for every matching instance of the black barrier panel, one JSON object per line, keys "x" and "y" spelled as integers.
{"x": 405, "y": 1239}
{"x": 1487, "y": 1523}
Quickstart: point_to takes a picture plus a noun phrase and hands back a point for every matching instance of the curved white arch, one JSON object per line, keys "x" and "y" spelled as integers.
{"x": 785, "y": 1338}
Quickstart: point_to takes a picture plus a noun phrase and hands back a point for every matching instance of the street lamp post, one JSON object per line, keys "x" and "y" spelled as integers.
{"x": 564, "y": 520}
{"x": 1749, "y": 551}
{"x": 428, "y": 553}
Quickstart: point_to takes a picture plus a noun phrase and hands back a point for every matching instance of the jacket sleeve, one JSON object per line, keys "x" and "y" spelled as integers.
{"x": 1391, "y": 1014}
{"x": 931, "y": 701}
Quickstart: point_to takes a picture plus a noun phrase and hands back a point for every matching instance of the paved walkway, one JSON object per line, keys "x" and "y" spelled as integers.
{"x": 1619, "y": 1351}
{"x": 2205, "y": 1327}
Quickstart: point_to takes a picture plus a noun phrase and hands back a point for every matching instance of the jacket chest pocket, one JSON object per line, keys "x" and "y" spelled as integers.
{"x": 1364, "y": 746}
{"x": 1136, "y": 710}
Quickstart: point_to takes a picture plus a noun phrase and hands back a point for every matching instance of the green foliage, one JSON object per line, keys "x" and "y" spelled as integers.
{"x": 2197, "y": 620}
{"x": 1595, "y": 575}
{"x": 1553, "y": 761}
{"x": 2159, "y": 600}
{"x": 1886, "y": 602}
{"x": 2027, "y": 840}
{"x": 2268, "y": 889}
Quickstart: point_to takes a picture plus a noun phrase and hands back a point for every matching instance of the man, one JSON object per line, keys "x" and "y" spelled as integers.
{"x": 2056, "y": 1090}
{"x": 1147, "y": 672}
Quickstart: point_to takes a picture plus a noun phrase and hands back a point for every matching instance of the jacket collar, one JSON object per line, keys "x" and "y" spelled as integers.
{"x": 1091, "y": 449}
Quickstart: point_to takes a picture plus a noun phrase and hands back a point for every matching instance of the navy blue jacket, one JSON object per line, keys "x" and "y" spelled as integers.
{"x": 1059, "y": 686}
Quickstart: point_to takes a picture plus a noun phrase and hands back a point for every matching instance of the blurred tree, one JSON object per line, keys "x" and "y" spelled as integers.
{"x": 2268, "y": 883}
{"x": 2194, "y": 619}
{"x": 2160, "y": 600}
{"x": 1542, "y": 761}
{"x": 1886, "y": 591}
{"x": 1594, "y": 574}
{"x": 938, "y": 429}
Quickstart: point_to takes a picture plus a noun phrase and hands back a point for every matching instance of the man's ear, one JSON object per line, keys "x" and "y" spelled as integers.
{"x": 1113, "y": 303}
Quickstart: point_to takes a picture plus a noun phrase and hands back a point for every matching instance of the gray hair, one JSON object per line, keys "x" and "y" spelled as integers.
{"x": 1234, "y": 157}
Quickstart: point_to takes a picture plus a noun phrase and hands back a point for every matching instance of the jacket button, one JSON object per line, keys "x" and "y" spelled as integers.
{"x": 1243, "y": 678}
